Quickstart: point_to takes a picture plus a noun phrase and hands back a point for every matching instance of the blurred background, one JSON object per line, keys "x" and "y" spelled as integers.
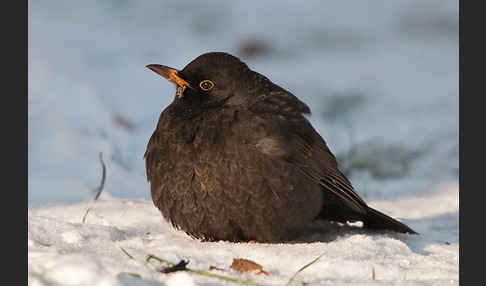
{"x": 381, "y": 78}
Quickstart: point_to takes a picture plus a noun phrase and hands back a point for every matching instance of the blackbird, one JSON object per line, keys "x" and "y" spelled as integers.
{"x": 233, "y": 158}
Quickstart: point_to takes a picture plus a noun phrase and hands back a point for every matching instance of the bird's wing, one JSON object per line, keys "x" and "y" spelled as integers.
{"x": 291, "y": 137}
{"x": 279, "y": 102}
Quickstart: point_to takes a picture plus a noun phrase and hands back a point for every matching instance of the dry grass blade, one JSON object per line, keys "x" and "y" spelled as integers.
{"x": 128, "y": 254}
{"x": 226, "y": 278}
{"x": 136, "y": 275}
{"x": 151, "y": 256}
{"x": 86, "y": 214}
{"x": 303, "y": 267}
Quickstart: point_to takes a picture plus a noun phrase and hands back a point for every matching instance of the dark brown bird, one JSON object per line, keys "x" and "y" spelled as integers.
{"x": 233, "y": 158}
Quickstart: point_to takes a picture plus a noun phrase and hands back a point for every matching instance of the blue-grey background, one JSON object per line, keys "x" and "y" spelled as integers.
{"x": 381, "y": 78}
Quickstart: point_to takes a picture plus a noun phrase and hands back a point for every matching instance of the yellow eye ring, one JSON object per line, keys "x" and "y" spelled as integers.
{"x": 206, "y": 85}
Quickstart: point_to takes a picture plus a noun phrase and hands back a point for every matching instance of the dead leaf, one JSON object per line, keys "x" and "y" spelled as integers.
{"x": 181, "y": 266}
{"x": 245, "y": 265}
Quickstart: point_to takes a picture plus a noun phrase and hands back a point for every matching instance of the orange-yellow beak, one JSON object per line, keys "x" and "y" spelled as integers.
{"x": 169, "y": 74}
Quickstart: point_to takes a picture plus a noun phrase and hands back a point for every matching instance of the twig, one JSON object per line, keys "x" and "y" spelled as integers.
{"x": 100, "y": 187}
{"x": 103, "y": 177}
{"x": 211, "y": 267}
{"x": 303, "y": 267}
{"x": 226, "y": 278}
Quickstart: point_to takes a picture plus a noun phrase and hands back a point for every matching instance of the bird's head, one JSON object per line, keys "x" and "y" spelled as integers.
{"x": 209, "y": 79}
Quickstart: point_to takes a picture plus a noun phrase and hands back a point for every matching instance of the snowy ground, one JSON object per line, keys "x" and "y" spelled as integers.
{"x": 65, "y": 251}
{"x": 381, "y": 79}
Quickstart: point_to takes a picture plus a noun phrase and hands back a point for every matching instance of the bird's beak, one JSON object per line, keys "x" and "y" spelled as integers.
{"x": 169, "y": 74}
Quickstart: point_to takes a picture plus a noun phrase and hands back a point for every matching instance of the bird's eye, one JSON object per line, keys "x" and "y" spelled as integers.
{"x": 206, "y": 85}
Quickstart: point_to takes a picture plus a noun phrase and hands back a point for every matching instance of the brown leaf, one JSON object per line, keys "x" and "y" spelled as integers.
{"x": 245, "y": 265}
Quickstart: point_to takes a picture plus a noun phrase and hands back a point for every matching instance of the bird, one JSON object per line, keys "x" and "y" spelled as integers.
{"x": 234, "y": 158}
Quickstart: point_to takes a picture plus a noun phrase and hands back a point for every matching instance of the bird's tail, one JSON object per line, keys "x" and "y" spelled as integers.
{"x": 378, "y": 220}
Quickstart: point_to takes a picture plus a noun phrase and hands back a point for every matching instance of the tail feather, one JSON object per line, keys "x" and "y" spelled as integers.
{"x": 378, "y": 220}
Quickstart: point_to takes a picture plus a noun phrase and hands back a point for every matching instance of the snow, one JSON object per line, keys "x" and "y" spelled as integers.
{"x": 380, "y": 77}
{"x": 65, "y": 251}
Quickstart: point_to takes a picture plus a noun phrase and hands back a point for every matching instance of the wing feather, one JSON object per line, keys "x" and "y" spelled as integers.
{"x": 303, "y": 146}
